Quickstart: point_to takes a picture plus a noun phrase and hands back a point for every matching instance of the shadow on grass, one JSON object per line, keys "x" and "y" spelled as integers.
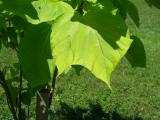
{"x": 94, "y": 112}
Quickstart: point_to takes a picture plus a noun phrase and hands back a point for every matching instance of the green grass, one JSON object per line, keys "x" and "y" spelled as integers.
{"x": 136, "y": 91}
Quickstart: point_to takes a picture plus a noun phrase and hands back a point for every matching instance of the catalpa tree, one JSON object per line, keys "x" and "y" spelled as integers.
{"x": 50, "y": 36}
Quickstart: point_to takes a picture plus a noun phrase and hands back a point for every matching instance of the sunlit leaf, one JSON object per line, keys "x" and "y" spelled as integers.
{"x": 96, "y": 40}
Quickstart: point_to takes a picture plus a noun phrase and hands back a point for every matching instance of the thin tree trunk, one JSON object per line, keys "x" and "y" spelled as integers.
{"x": 42, "y": 104}
{"x": 44, "y": 100}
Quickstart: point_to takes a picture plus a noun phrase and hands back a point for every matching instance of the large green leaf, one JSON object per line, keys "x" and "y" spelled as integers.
{"x": 35, "y": 55}
{"x": 96, "y": 40}
{"x": 37, "y": 11}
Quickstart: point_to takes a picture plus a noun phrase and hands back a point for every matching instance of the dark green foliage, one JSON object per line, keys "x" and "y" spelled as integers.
{"x": 136, "y": 53}
{"x": 35, "y": 57}
{"x": 127, "y": 7}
